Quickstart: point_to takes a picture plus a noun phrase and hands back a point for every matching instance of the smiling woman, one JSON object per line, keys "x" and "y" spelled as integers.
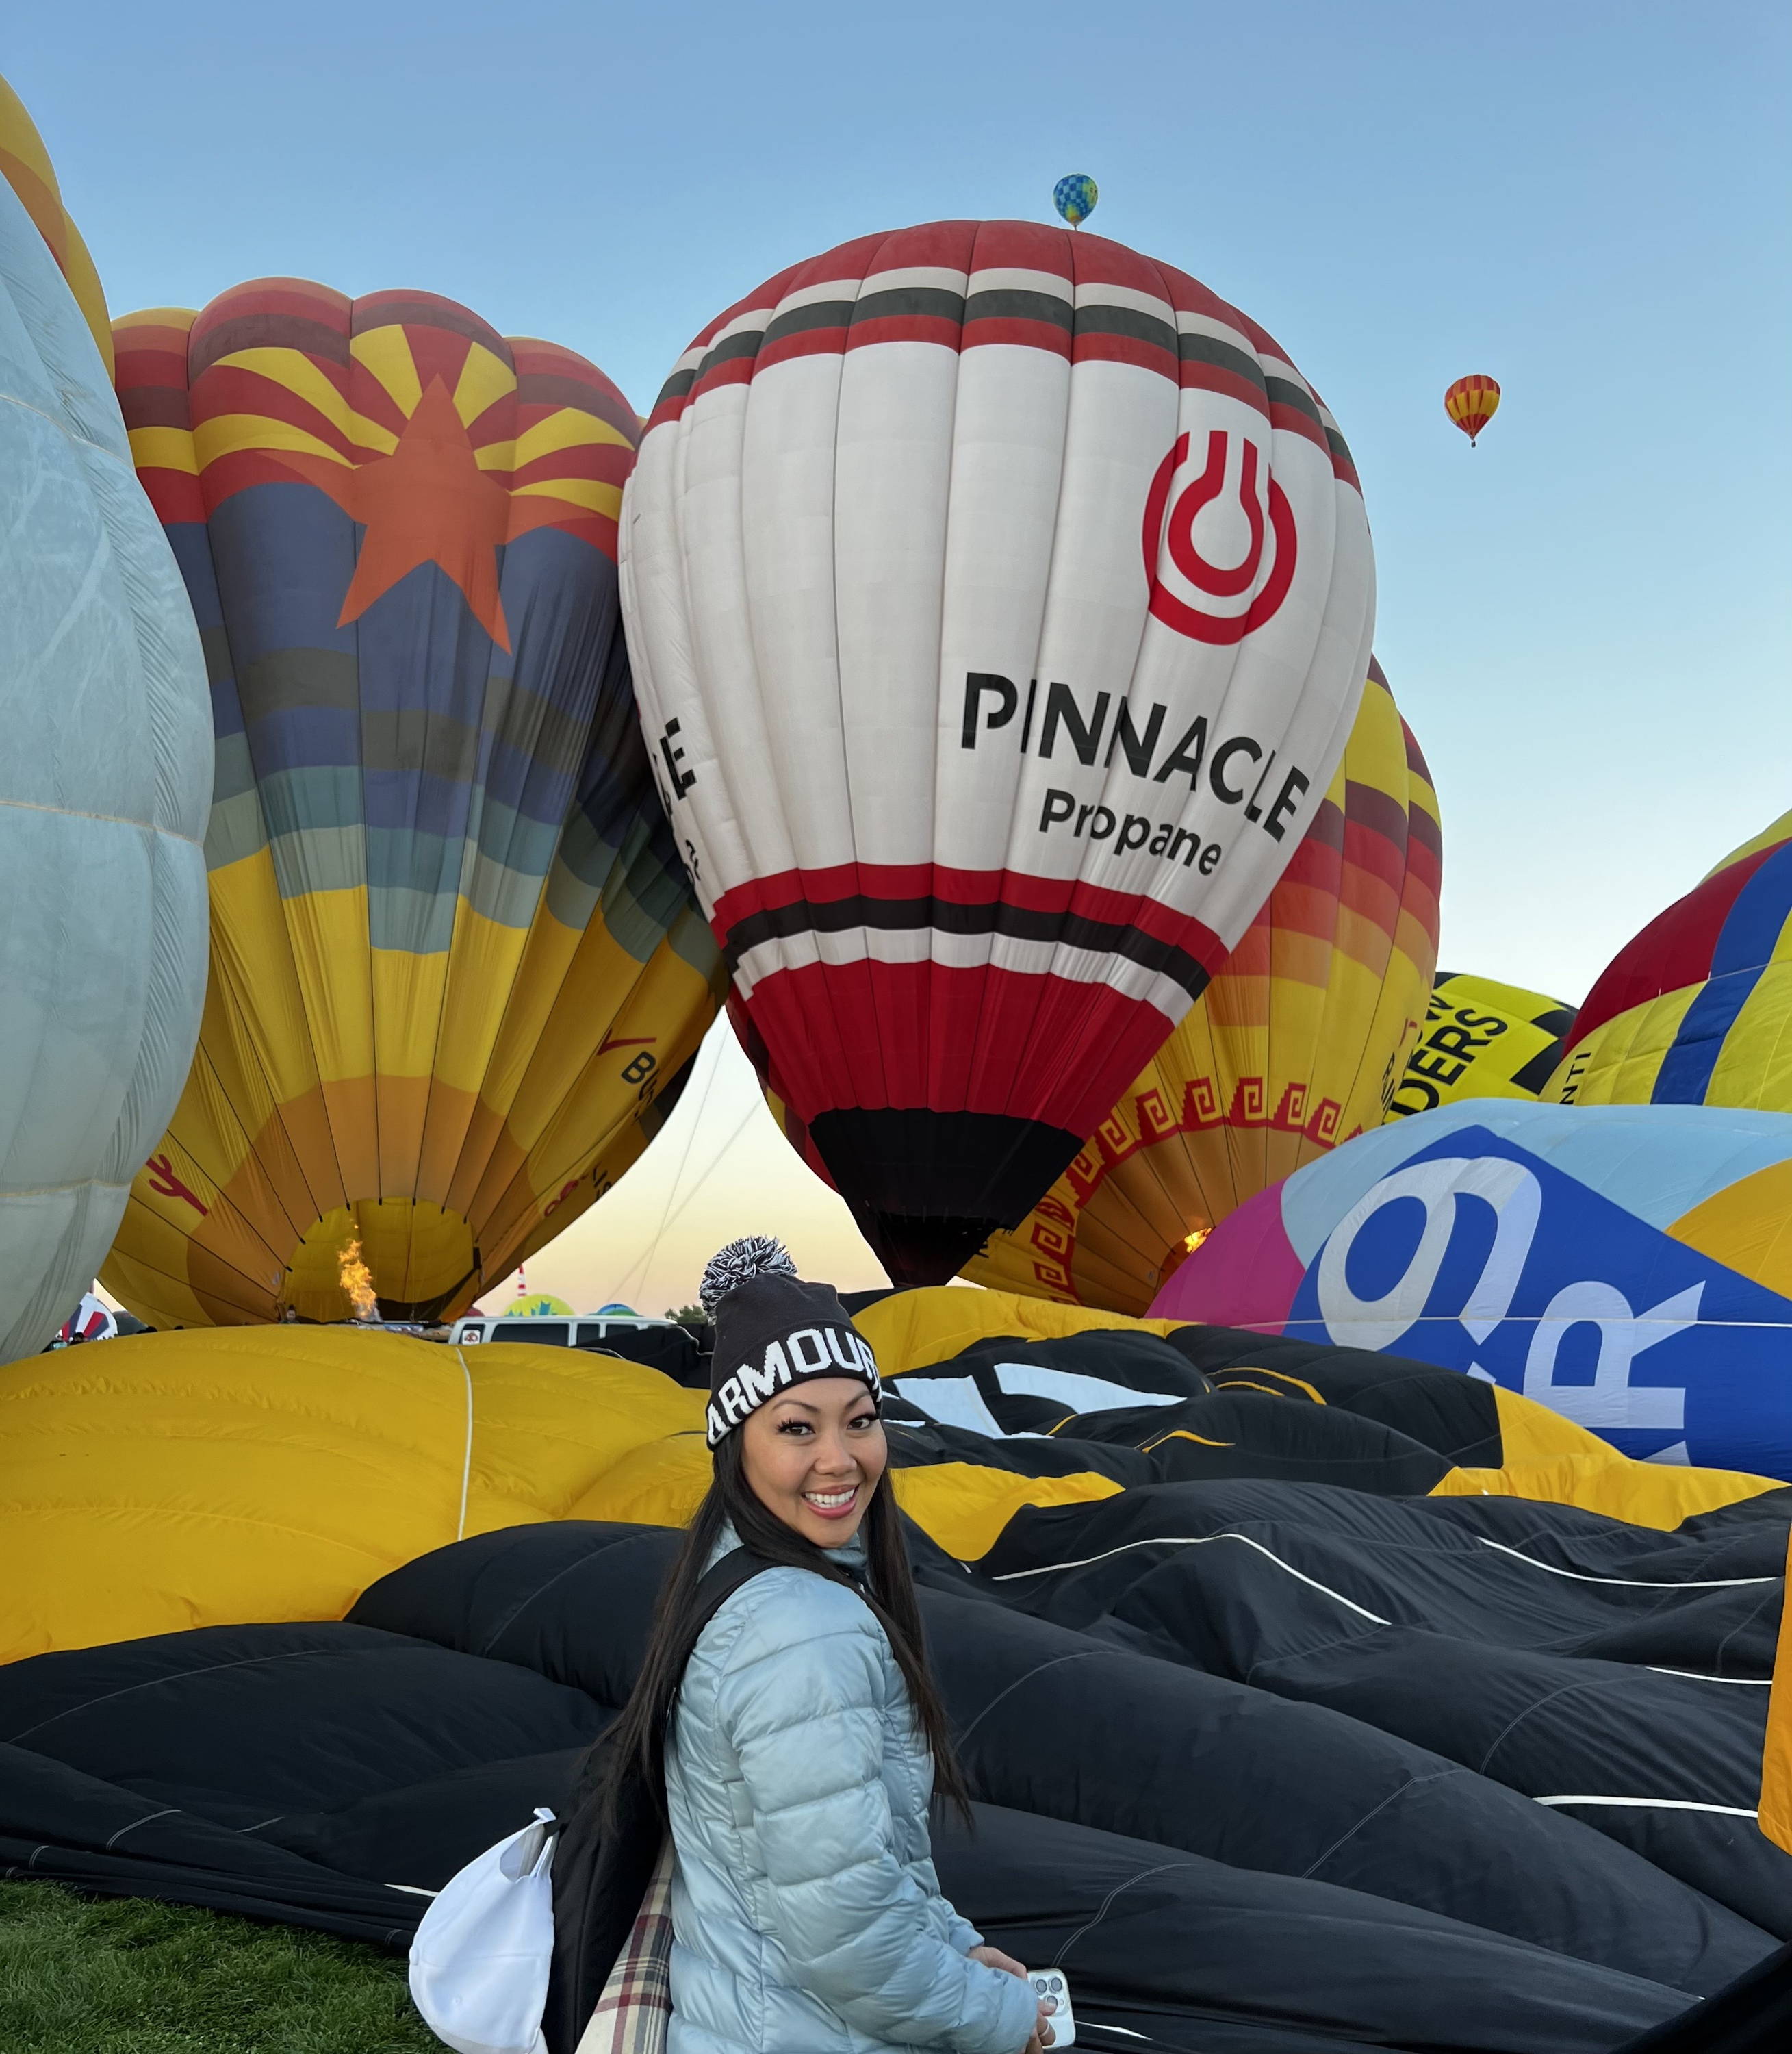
{"x": 813, "y": 1458}
{"x": 795, "y": 1748}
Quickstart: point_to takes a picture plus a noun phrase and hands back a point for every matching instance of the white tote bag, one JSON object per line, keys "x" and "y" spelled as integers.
{"x": 479, "y": 1963}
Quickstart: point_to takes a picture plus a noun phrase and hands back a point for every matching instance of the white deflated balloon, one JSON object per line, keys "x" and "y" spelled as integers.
{"x": 105, "y": 780}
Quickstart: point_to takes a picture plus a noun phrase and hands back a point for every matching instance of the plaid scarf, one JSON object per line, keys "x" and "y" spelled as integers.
{"x": 633, "y": 2013}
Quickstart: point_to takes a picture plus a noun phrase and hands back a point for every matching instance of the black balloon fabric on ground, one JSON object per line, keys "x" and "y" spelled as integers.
{"x": 1273, "y": 1752}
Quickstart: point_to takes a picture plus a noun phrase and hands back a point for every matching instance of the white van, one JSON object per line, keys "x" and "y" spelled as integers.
{"x": 661, "y": 1344}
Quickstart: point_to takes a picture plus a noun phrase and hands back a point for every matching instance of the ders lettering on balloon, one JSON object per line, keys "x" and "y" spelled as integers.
{"x": 1170, "y": 526}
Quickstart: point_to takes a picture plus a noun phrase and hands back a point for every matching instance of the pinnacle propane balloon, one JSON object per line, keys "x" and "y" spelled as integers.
{"x": 1000, "y": 602}
{"x": 1293, "y": 1048}
{"x": 455, "y": 967}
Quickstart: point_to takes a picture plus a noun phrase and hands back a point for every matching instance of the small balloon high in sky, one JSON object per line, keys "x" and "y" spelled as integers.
{"x": 1075, "y": 198}
{"x": 1471, "y": 402}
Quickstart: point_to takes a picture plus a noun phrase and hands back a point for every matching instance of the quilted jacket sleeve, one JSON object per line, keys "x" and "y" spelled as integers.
{"x": 801, "y": 1698}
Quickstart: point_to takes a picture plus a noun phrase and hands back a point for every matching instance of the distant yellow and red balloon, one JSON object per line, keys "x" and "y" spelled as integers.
{"x": 1471, "y": 402}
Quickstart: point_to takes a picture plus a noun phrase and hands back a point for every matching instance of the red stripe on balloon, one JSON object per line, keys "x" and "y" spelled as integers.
{"x": 921, "y": 1035}
{"x": 1671, "y": 952}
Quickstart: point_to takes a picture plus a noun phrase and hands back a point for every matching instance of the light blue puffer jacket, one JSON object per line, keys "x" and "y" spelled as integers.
{"x": 806, "y": 1914}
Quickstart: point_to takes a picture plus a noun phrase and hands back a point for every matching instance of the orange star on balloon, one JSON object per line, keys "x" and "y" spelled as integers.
{"x": 428, "y": 502}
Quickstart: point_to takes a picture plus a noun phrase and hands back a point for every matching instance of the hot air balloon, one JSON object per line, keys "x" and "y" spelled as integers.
{"x": 1000, "y": 602}
{"x": 1471, "y": 402}
{"x": 1481, "y": 1039}
{"x": 1696, "y": 1009}
{"x": 25, "y": 165}
{"x": 1075, "y": 198}
{"x": 107, "y": 759}
{"x": 1628, "y": 1266}
{"x": 1294, "y": 1047}
{"x": 455, "y": 958}
{"x": 93, "y": 1319}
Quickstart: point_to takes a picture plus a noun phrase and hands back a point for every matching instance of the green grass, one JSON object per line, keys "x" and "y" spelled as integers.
{"x": 125, "y": 1975}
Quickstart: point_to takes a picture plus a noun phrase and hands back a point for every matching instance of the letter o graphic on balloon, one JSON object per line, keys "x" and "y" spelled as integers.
{"x": 1171, "y": 526}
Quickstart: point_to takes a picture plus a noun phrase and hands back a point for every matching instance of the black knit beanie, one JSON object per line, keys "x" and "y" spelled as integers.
{"x": 772, "y": 1331}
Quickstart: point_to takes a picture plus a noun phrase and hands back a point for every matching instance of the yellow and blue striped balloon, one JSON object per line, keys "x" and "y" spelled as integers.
{"x": 1076, "y": 197}
{"x": 1696, "y": 1009}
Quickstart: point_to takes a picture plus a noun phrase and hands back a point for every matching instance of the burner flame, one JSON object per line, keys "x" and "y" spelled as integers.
{"x": 1192, "y": 1242}
{"x": 356, "y": 1279}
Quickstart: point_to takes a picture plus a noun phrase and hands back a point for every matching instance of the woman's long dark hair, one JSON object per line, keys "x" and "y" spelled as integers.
{"x": 637, "y": 1740}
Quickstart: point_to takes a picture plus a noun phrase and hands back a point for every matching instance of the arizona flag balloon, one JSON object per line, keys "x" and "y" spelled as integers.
{"x": 999, "y": 601}
{"x": 456, "y": 973}
{"x": 1471, "y": 402}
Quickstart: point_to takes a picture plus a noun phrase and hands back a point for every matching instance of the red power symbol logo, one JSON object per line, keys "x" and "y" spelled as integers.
{"x": 1179, "y": 538}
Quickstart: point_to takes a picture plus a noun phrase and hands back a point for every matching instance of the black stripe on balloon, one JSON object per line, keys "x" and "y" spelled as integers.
{"x": 1076, "y": 930}
{"x": 1537, "y": 1072}
{"x": 804, "y": 320}
{"x": 1132, "y": 322}
{"x": 909, "y": 303}
{"x": 1001, "y": 303}
{"x": 1223, "y": 356}
{"x": 745, "y": 343}
{"x": 1286, "y": 394}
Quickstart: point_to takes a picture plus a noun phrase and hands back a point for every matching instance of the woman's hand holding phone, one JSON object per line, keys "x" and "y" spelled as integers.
{"x": 994, "y": 1958}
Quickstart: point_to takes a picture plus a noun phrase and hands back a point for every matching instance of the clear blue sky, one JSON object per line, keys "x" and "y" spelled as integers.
{"x": 1588, "y": 619}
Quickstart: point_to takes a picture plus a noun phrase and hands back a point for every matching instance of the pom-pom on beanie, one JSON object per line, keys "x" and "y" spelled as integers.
{"x": 772, "y": 1331}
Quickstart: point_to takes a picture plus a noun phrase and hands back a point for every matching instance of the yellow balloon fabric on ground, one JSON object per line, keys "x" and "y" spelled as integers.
{"x": 195, "y": 1479}
{"x": 1481, "y": 1039}
{"x": 456, "y": 973}
{"x": 1296, "y": 1045}
{"x": 25, "y": 165}
{"x": 200, "y": 1479}
{"x": 1697, "y": 1007}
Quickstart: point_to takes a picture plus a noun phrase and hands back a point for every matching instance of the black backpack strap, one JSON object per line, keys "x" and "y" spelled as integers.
{"x": 599, "y": 1880}
{"x": 718, "y": 1584}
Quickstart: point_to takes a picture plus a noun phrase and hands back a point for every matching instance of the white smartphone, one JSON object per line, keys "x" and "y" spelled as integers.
{"x": 1053, "y": 1990}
